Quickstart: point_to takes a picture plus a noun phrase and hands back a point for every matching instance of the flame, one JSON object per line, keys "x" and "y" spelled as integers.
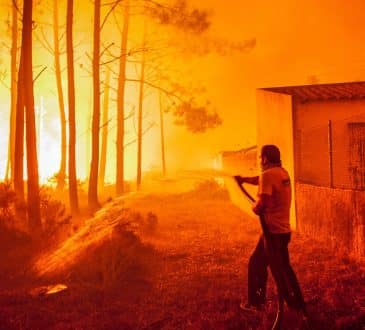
{"x": 49, "y": 144}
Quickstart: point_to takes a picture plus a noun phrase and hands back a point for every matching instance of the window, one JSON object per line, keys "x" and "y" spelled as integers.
{"x": 356, "y": 166}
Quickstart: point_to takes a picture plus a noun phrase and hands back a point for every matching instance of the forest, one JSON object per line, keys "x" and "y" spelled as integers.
{"x": 129, "y": 75}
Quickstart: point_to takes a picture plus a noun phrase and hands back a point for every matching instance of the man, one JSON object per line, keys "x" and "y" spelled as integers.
{"x": 273, "y": 203}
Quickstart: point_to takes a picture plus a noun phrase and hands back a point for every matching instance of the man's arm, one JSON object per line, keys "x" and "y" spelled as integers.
{"x": 247, "y": 179}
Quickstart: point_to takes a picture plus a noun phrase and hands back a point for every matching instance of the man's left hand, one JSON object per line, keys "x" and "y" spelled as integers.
{"x": 257, "y": 208}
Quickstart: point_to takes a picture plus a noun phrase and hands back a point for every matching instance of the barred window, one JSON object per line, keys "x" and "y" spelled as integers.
{"x": 356, "y": 166}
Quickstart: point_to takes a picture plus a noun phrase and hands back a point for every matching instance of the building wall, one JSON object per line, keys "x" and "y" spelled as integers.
{"x": 334, "y": 216}
{"x": 311, "y": 129}
{"x": 275, "y": 126}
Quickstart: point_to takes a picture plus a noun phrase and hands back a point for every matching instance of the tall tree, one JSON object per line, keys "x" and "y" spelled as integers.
{"x": 94, "y": 168}
{"x": 33, "y": 200}
{"x": 74, "y": 204}
{"x": 19, "y": 142}
{"x": 61, "y": 104}
{"x": 162, "y": 134}
{"x": 140, "y": 111}
{"x": 120, "y": 103}
{"x": 13, "y": 91}
{"x": 105, "y": 126}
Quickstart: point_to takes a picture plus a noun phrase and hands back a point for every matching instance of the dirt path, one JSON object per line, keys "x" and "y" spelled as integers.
{"x": 187, "y": 273}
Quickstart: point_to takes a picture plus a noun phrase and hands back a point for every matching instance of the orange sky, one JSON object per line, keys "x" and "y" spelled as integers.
{"x": 295, "y": 40}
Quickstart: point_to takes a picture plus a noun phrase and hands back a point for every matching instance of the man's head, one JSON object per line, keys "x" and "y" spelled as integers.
{"x": 270, "y": 156}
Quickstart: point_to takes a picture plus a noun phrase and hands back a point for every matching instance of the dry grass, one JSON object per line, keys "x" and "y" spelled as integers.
{"x": 184, "y": 266}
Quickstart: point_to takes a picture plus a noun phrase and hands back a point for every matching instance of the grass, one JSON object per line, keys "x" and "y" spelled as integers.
{"x": 184, "y": 269}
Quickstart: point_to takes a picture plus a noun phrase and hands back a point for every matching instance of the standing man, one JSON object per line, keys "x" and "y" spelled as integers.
{"x": 273, "y": 203}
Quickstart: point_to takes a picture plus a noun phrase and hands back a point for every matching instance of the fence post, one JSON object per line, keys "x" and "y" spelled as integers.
{"x": 330, "y": 152}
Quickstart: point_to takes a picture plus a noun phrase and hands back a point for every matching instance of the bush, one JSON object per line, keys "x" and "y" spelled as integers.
{"x": 150, "y": 223}
{"x": 210, "y": 189}
{"x": 118, "y": 260}
{"x": 53, "y": 212}
{"x": 7, "y": 201}
{"x": 10, "y": 239}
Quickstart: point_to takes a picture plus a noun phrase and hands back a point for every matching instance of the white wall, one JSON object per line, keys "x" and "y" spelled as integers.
{"x": 275, "y": 126}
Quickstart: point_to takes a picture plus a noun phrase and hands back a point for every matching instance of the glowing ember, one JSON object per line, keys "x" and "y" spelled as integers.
{"x": 47, "y": 290}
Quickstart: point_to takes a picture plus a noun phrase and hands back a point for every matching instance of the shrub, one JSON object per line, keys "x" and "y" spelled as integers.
{"x": 53, "y": 212}
{"x": 149, "y": 224}
{"x": 210, "y": 189}
{"x": 7, "y": 200}
{"x": 119, "y": 259}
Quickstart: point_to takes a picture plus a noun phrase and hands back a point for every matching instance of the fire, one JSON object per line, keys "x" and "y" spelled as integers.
{"x": 4, "y": 129}
{"x": 49, "y": 144}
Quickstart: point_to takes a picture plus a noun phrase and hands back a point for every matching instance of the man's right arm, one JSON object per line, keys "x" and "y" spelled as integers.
{"x": 247, "y": 179}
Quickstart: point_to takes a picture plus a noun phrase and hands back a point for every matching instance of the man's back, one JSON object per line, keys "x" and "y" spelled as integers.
{"x": 275, "y": 182}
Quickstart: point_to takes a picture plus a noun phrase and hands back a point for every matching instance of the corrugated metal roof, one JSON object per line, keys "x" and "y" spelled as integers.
{"x": 241, "y": 151}
{"x": 323, "y": 92}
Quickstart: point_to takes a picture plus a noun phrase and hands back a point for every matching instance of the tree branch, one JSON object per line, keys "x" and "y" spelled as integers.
{"x": 167, "y": 92}
{"x": 39, "y": 74}
{"x": 106, "y": 123}
{"x": 109, "y": 12}
{"x": 5, "y": 85}
{"x": 143, "y": 133}
{"x": 44, "y": 43}
{"x": 106, "y": 48}
{"x": 125, "y": 54}
{"x": 17, "y": 8}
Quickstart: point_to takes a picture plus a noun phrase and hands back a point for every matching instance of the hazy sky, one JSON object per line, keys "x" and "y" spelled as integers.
{"x": 295, "y": 40}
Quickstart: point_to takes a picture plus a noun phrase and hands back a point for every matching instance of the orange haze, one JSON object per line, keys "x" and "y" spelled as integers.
{"x": 296, "y": 42}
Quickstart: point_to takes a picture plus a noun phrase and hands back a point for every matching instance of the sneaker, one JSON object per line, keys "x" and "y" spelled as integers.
{"x": 251, "y": 308}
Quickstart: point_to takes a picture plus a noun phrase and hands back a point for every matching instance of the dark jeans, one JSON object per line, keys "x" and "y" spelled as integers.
{"x": 273, "y": 252}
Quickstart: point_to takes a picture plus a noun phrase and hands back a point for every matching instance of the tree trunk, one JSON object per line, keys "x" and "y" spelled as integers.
{"x": 13, "y": 93}
{"x": 104, "y": 137}
{"x": 74, "y": 204}
{"x": 19, "y": 143}
{"x": 93, "y": 179}
{"x": 120, "y": 103}
{"x": 61, "y": 104}
{"x": 140, "y": 111}
{"x": 162, "y": 134}
{"x": 33, "y": 205}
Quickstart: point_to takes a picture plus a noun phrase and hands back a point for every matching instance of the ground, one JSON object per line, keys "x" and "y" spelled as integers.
{"x": 171, "y": 261}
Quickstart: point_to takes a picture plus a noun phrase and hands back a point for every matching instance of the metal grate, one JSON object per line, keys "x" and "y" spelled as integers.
{"x": 333, "y": 154}
{"x": 357, "y": 154}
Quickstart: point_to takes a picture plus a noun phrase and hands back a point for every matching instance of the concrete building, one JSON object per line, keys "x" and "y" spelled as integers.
{"x": 320, "y": 130}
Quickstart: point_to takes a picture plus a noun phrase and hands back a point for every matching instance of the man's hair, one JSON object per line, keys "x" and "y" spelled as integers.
{"x": 272, "y": 153}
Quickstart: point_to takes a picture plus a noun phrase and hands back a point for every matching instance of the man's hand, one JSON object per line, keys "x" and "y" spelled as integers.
{"x": 239, "y": 179}
{"x": 247, "y": 179}
{"x": 261, "y": 204}
{"x": 257, "y": 207}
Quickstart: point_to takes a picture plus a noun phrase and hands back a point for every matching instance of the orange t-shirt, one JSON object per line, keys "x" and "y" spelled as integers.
{"x": 275, "y": 182}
